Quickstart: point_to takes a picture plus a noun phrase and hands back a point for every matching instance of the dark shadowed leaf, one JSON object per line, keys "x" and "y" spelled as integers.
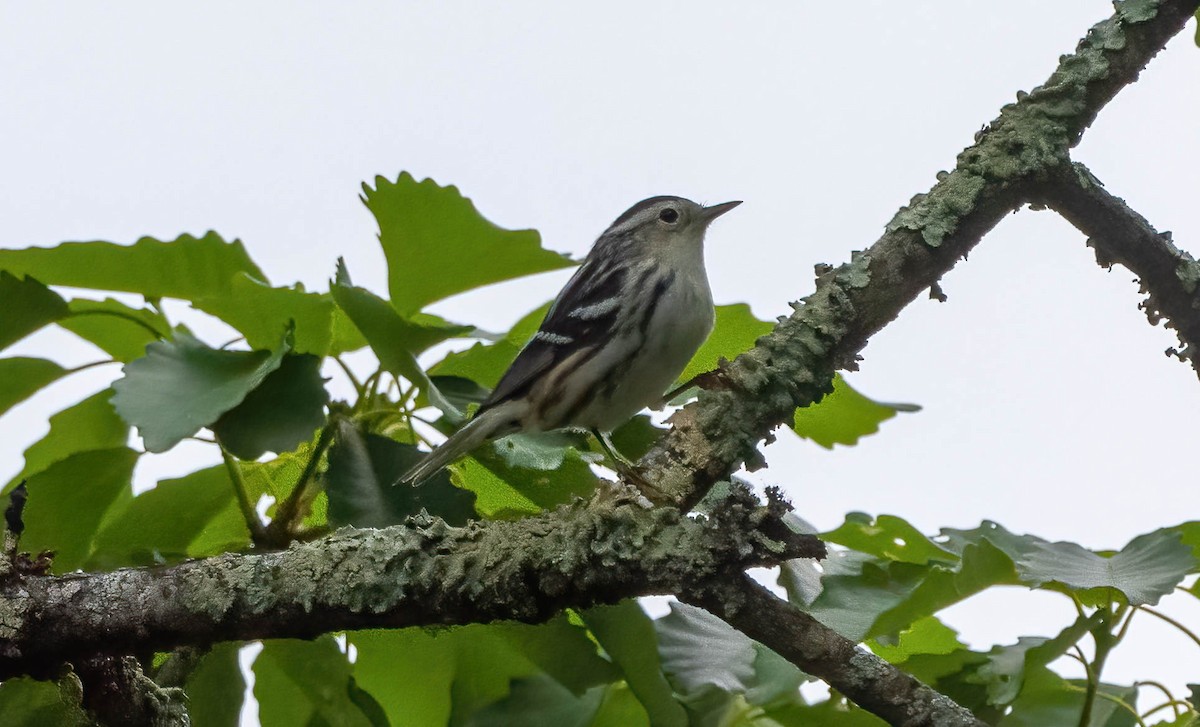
{"x": 828, "y": 713}
{"x": 260, "y": 312}
{"x": 28, "y": 305}
{"x": 278, "y": 414}
{"x": 25, "y": 702}
{"x": 215, "y": 688}
{"x": 161, "y": 524}
{"x": 1004, "y": 672}
{"x": 437, "y": 244}
{"x": 1145, "y": 570}
{"x": 635, "y": 437}
{"x": 1048, "y": 699}
{"x": 540, "y": 700}
{"x": 187, "y": 267}
{"x": 627, "y": 634}
{"x": 182, "y": 385}
{"x": 69, "y": 500}
{"x": 306, "y": 683}
{"x": 361, "y": 484}
{"x": 22, "y": 377}
{"x": 115, "y": 328}
{"x": 843, "y": 416}
{"x": 862, "y": 596}
{"x": 90, "y": 424}
{"x": 887, "y": 536}
{"x": 734, "y": 332}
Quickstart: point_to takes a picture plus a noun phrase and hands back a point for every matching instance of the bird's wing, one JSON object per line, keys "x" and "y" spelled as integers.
{"x": 582, "y": 317}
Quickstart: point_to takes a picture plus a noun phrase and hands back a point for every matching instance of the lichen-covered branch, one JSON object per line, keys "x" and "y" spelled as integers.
{"x": 794, "y": 364}
{"x": 870, "y": 682}
{"x": 1118, "y": 234}
{"x": 117, "y": 694}
{"x": 423, "y": 572}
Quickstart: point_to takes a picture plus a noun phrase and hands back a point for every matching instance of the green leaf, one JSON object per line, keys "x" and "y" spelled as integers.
{"x": 260, "y": 312}
{"x": 445, "y": 676}
{"x": 180, "y": 386}
{"x": 215, "y": 688}
{"x": 414, "y": 332}
{"x": 828, "y": 713}
{"x": 888, "y": 537}
{"x": 734, "y": 332}
{"x": 701, "y": 653}
{"x": 862, "y": 596}
{"x": 1048, "y": 699}
{"x": 437, "y": 244}
{"x": 278, "y": 414}
{"x": 486, "y": 363}
{"x": 22, "y": 377}
{"x": 504, "y": 489}
{"x": 187, "y": 267}
{"x": 345, "y": 336}
{"x": 115, "y": 328}
{"x": 1006, "y": 666}
{"x": 926, "y": 635}
{"x": 394, "y": 340}
{"x": 629, "y": 638}
{"x": 69, "y": 501}
{"x": 361, "y": 484}
{"x": 620, "y": 708}
{"x": 25, "y": 702}
{"x": 89, "y": 424}
{"x": 843, "y": 416}
{"x": 305, "y": 683}
{"x": 28, "y": 305}
{"x": 635, "y": 437}
{"x": 1145, "y": 570}
{"x": 540, "y": 700}
{"x": 160, "y": 525}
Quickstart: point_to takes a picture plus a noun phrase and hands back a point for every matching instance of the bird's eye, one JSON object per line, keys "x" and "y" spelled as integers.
{"x": 670, "y": 215}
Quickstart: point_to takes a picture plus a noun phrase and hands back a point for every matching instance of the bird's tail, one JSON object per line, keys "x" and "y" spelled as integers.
{"x": 473, "y": 433}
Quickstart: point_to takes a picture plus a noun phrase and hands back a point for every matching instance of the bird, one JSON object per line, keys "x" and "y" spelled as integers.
{"x": 614, "y": 340}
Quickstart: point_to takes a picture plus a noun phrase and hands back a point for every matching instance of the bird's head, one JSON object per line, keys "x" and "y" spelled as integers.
{"x": 668, "y": 223}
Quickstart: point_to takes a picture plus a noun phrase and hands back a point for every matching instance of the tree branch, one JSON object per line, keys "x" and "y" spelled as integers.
{"x": 118, "y": 694}
{"x": 793, "y": 365}
{"x": 423, "y": 572}
{"x": 1170, "y": 276}
{"x": 869, "y": 681}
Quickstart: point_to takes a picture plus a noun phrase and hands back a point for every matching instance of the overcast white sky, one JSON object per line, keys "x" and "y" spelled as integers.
{"x": 1048, "y": 403}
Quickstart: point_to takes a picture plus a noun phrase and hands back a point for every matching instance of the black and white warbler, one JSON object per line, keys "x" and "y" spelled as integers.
{"x": 615, "y": 339}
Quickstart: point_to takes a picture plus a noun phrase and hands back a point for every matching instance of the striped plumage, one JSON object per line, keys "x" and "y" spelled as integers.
{"x": 614, "y": 340}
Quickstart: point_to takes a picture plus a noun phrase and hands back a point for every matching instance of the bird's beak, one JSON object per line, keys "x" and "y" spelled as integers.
{"x": 711, "y": 213}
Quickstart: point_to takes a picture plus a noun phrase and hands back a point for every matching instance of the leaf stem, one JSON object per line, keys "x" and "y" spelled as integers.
{"x": 258, "y": 534}
{"x": 292, "y": 510}
{"x": 92, "y": 365}
{"x": 1171, "y": 700}
{"x": 358, "y": 387}
{"x": 118, "y": 314}
{"x": 1112, "y": 698}
{"x": 1158, "y": 614}
{"x": 1104, "y": 640}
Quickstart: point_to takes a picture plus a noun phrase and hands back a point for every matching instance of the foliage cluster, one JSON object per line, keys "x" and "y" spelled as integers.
{"x": 261, "y": 401}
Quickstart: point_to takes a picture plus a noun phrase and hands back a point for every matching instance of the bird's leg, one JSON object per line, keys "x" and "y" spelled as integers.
{"x": 621, "y": 464}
